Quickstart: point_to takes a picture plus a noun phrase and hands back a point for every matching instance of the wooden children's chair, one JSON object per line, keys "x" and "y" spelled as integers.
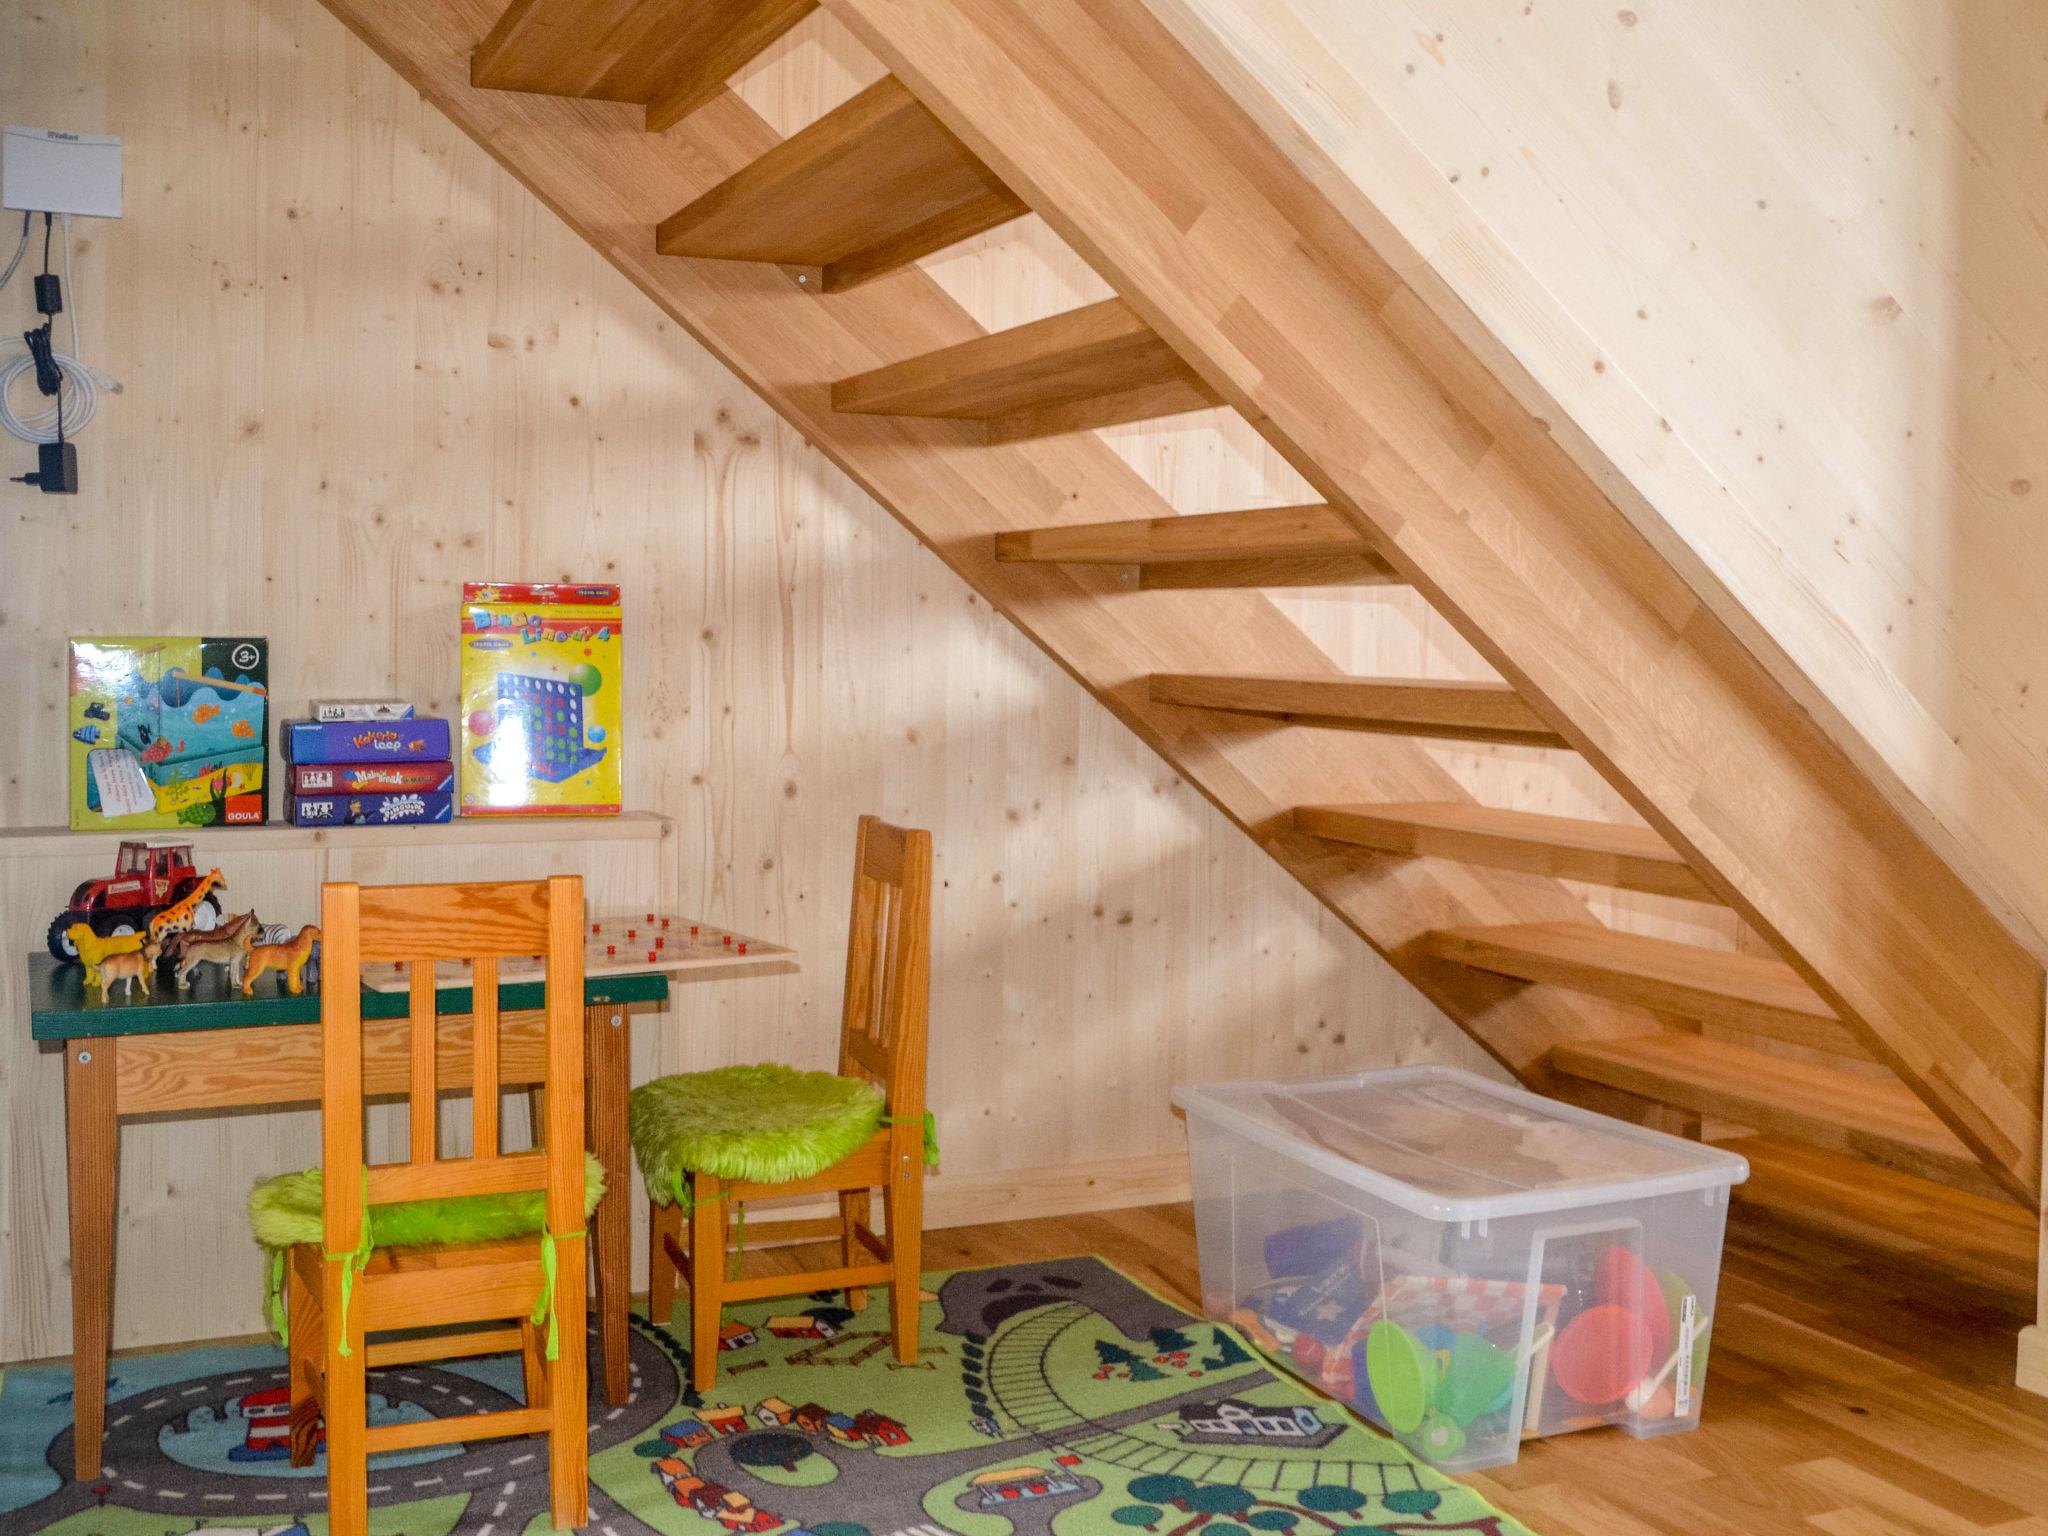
{"x": 708, "y": 1142}
{"x": 494, "y": 1237}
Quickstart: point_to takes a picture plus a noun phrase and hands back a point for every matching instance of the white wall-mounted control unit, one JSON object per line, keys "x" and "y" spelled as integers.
{"x": 45, "y": 170}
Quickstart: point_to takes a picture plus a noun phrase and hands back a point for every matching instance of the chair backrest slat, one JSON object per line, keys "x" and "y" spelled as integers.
{"x": 418, "y": 926}
{"x": 483, "y": 1015}
{"x": 422, "y": 1106}
{"x": 888, "y": 964}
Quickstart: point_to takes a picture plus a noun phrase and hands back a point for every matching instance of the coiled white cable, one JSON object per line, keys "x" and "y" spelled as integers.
{"x": 79, "y": 383}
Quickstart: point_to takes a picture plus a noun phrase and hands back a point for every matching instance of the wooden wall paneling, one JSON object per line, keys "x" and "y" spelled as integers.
{"x": 1483, "y": 505}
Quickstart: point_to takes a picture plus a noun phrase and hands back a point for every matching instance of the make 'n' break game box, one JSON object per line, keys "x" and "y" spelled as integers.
{"x": 168, "y": 731}
{"x": 541, "y": 714}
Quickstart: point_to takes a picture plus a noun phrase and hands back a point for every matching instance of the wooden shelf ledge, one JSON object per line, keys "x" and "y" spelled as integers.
{"x": 278, "y": 837}
{"x": 869, "y": 187}
{"x": 1749, "y": 992}
{"x": 671, "y": 56}
{"x": 1312, "y": 545}
{"x": 1091, "y": 367}
{"x": 1877, "y": 1119}
{"x": 1563, "y": 847}
{"x": 1464, "y": 711}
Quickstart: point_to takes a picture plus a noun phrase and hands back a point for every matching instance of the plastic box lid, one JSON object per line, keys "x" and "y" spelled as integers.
{"x": 1452, "y": 1146}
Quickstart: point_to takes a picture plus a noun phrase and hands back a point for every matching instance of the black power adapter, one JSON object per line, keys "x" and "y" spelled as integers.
{"x": 56, "y": 469}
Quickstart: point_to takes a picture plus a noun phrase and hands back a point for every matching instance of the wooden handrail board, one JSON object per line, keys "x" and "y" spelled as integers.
{"x": 872, "y": 185}
{"x": 1338, "y": 343}
{"x": 1872, "y": 1118}
{"x": 670, "y": 56}
{"x": 1566, "y": 848}
{"x": 1088, "y": 367}
{"x": 1264, "y": 533}
{"x": 1463, "y": 711}
{"x": 1751, "y": 992}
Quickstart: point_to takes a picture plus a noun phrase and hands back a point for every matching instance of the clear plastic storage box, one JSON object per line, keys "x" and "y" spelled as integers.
{"x": 1466, "y": 1264}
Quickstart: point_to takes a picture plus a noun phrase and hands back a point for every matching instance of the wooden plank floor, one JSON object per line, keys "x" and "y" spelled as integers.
{"x": 1861, "y": 1382}
{"x": 1862, "y": 1373}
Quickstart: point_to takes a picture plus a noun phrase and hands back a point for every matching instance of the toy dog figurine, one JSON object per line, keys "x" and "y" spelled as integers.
{"x": 289, "y": 958}
{"x": 129, "y": 967}
{"x": 92, "y": 949}
{"x": 227, "y": 946}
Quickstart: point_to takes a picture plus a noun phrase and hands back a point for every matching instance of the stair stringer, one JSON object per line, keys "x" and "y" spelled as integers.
{"x": 1144, "y": 164}
{"x": 593, "y": 164}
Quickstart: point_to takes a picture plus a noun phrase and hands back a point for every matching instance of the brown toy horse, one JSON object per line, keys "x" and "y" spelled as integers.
{"x": 289, "y": 958}
{"x": 127, "y": 968}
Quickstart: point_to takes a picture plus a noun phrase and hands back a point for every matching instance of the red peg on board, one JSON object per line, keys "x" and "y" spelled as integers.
{"x": 743, "y": 949}
{"x": 664, "y": 924}
{"x": 611, "y": 949}
{"x": 659, "y": 941}
{"x": 650, "y": 917}
{"x": 632, "y": 933}
{"x": 597, "y": 927}
{"x": 650, "y": 954}
{"x": 693, "y": 930}
{"x": 727, "y": 939}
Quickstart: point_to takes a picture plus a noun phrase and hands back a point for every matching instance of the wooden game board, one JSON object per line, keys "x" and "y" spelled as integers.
{"x": 620, "y": 946}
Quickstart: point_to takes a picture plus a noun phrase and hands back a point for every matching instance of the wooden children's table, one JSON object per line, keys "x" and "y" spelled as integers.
{"x": 209, "y": 1048}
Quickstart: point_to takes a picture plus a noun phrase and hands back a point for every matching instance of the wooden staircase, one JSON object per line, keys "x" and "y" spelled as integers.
{"x": 1894, "y": 1016}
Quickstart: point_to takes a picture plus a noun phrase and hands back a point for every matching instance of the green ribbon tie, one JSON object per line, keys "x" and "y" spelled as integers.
{"x": 545, "y": 1306}
{"x": 352, "y": 1264}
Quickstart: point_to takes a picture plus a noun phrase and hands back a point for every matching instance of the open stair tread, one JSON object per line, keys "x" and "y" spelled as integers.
{"x": 1658, "y": 973}
{"x": 671, "y": 56}
{"x": 1260, "y": 533}
{"x": 1564, "y": 847}
{"x": 1466, "y": 710}
{"x": 1877, "y": 1118}
{"x": 872, "y": 185}
{"x": 1089, "y": 367}
{"x": 1300, "y": 546}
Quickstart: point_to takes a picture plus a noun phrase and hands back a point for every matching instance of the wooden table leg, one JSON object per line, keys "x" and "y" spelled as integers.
{"x": 608, "y": 1037}
{"x": 92, "y": 1134}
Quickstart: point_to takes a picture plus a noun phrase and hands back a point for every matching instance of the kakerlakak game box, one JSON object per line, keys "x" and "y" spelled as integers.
{"x": 540, "y": 714}
{"x": 168, "y": 731}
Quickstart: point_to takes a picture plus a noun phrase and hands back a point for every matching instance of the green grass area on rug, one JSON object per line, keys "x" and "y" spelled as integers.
{"x": 1057, "y": 1398}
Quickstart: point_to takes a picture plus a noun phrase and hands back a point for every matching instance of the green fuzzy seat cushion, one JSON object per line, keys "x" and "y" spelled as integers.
{"x": 766, "y": 1123}
{"x": 287, "y": 1210}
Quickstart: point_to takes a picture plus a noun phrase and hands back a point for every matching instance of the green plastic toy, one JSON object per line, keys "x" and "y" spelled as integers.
{"x": 1403, "y": 1375}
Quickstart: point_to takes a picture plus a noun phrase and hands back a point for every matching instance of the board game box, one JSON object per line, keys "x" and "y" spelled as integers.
{"x": 351, "y": 741}
{"x": 540, "y": 715}
{"x": 371, "y": 778}
{"x": 371, "y": 810}
{"x": 168, "y": 731}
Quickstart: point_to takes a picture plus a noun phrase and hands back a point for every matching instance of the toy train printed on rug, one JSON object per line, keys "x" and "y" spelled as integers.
{"x": 1439, "y": 1360}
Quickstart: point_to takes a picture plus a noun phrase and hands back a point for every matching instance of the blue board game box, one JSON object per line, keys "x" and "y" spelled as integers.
{"x": 371, "y": 810}
{"x": 346, "y": 741}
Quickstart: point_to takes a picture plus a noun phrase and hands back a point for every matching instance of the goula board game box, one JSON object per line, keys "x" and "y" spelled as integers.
{"x": 168, "y": 731}
{"x": 541, "y": 712}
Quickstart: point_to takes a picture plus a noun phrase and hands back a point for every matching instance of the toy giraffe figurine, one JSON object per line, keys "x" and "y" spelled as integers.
{"x": 177, "y": 917}
{"x": 289, "y": 957}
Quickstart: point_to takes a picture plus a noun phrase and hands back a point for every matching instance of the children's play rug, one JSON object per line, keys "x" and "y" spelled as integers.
{"x": 1047, "y": 1398}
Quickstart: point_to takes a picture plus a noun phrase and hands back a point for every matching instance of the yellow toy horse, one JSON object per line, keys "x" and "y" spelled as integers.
{"x": 289, "y": 958}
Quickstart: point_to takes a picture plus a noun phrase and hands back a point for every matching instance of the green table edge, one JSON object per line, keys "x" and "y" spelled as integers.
{"x": 60, "y": 1007}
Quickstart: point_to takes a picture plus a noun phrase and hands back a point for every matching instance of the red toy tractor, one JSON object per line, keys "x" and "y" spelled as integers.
{"x": 147, "y": 878}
